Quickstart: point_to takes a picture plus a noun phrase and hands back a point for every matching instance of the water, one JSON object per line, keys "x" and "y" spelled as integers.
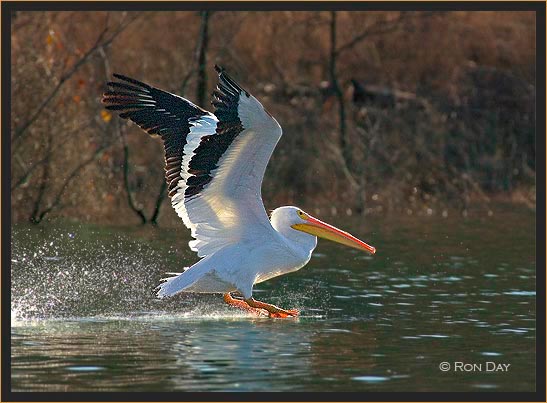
{"x": 452, "y": 290}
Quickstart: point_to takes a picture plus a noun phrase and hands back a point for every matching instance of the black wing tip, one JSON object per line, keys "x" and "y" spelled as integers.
{"x": 123, "y": 78}
{"x": 229, "y": 81}
{"x": 128, "y": 80}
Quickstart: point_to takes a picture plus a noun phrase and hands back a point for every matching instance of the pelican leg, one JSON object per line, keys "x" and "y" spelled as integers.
{"x": 243, "y": 305}
{"x": 274, "y": 311}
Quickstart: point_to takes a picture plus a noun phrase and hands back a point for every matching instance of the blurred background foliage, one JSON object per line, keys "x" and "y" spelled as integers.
{"x": 384, "y": 112}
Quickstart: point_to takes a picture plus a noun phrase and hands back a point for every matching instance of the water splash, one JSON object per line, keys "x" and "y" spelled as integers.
{"x": 81, "y": 273}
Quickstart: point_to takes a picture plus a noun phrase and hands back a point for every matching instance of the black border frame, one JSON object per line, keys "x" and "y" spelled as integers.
{"x": 8, "y": 7}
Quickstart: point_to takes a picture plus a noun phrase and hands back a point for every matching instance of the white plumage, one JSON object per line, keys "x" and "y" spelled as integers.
{"x": 215, "y": 163}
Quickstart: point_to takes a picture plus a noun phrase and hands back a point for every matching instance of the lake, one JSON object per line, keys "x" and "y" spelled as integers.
{"x": 446, "y": 304}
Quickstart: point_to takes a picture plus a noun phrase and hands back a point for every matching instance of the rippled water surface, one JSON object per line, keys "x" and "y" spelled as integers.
{"x": 439, "y": 292}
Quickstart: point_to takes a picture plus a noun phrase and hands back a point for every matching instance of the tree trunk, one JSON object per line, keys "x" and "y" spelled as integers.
{"x": 35, "y": 217}
{"x": 338, "y": 92}
{"x": 159, "y": 202}
{"x": 344, "y": 144}
{"x": 130, "y": 200}
{"x": 201, "y": 88}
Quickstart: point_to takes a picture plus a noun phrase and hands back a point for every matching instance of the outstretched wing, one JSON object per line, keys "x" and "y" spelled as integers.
{"x": 159, "y": 113}
{"x": 215, "y": 163}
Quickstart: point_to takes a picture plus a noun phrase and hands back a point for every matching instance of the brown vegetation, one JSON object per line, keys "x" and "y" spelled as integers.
{"x": 381, "y": 111}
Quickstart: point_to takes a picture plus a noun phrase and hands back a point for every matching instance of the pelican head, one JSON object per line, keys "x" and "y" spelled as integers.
{"x": 298, "y": 220}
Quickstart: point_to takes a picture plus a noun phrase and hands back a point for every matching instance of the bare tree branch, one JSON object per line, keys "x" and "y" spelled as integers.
{"x": 378, "y": 28}
{"x": 19, "y": 132}
{"x": 26, "y": 176}
{"x": 121, "y": 135}
{"x": 339, "y": 158}
{"x": 130, "y": 199}
{"x": 43, "y": 182}
{"x": 69, "y": 179}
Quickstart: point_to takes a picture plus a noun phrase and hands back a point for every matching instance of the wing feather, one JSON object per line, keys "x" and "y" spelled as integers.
{"x": 215, "y": 163}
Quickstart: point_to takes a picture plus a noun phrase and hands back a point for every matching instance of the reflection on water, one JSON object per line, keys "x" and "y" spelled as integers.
{"x": 84, "y": 316}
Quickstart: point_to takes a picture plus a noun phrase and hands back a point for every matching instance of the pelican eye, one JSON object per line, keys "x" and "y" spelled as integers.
{"x": 300, "y": 213}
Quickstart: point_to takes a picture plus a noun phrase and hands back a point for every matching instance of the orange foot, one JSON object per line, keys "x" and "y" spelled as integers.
{"x": 286, "y": 314}
{"x": 273, "y": 311}
{"x": 260, "y": 308}
{"x": 243, "y": 305}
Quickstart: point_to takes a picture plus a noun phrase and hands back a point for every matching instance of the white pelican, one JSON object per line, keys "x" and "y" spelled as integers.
{"x": 214, "y": 166}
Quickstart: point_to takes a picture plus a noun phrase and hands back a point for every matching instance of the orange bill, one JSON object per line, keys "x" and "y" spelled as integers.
{"x": 323, "y": 230}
